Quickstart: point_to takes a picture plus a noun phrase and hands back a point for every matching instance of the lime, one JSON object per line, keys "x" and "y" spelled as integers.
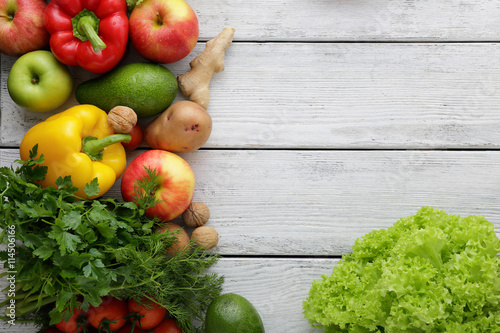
{"x": 232, "y": 313}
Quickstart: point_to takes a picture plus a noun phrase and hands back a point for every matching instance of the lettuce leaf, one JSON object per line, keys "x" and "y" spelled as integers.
{"x": 431, "y": 272}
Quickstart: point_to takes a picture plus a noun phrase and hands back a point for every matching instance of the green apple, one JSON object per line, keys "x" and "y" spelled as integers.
{"x": 39, "y": 82}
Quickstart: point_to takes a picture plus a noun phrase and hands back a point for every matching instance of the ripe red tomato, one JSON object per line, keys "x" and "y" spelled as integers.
{"x": 111, "y": 313}
{"x": 151, "y": 314}
{"x": 75, "y": 323}
{"x": 167, "y": 326}
{"x": 137, "y": 135}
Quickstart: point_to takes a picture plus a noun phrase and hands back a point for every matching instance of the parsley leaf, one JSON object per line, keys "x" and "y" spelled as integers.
{"x": 71, "y": 220}
{"x": 67, "y": 241}
{"x": 44, "y": 252}
{"x": 94, "y": 269}
{"x": 92, "y": 188}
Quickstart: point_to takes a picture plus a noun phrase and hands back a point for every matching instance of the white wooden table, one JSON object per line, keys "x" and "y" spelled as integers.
{"x": 332, "y": 118}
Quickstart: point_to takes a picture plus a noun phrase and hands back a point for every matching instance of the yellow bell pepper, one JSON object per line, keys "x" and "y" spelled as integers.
{"x": 78, "y": 142}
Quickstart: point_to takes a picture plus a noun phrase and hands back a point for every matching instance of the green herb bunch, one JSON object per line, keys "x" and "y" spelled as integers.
{"x": 131, "y": 4}
{"x": 70, "y": 251}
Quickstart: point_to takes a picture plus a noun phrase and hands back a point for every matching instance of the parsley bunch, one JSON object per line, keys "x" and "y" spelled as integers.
{"x": 131, "y": 4}
{"x": 70, "y": 251}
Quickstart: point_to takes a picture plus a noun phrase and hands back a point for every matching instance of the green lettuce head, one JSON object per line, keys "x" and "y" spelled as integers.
{"x": 431, "y": 272}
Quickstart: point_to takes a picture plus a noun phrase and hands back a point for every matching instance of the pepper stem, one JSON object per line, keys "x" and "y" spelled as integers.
{"x": 86, "y": 27}
{"x": 93, "y": 147}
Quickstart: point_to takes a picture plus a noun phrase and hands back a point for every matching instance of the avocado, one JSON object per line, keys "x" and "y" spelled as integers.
{"x": 232, "y": 313}
{"x": 147, "y": 88}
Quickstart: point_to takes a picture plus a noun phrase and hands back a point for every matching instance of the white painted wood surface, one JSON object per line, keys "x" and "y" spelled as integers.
{"x": 332, "y": 118}
{"x": 347, "y": 96}
{"x": 348, "y": 20}
{"x": 316, "y": 203}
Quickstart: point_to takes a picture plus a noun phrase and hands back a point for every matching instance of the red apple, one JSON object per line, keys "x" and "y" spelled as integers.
{"x": 21, "y": 26}
{"x": 174, "y": 187}
{"x": 164, "y": 31}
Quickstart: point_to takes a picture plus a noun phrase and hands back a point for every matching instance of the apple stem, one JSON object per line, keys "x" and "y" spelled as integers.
{"x": 93, "y": 147}
{"x": 159, "y": 19}
{"x": 86, "y": 27}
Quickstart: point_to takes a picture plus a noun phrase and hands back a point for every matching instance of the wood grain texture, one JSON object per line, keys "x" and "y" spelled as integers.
{"x": 276, "y": 287}
{"x": 317, "y": 120}
{"x": 347, "y": 20}
{"x": 297, "y": 203}
{"x": 347, "y": 96}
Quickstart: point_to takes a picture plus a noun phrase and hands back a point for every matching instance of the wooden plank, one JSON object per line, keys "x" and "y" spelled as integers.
{"x": 325, "y": 20}
{"x": 346, "y": 96}
{"x": 298, "y": 203}
{"x": 276, "y": 287}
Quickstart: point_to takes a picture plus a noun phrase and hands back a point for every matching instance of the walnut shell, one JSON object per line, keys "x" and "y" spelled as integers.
{"x": 196, "y": 215}
{"x": 205, "y": 237}
{"x": 122, "y": 119}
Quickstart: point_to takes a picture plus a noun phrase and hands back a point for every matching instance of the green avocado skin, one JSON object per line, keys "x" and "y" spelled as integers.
{"x": 147, "y": 88}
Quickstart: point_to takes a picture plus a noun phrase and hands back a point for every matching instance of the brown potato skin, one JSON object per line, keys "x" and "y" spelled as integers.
{"x": 182, "y": 237}
{"x": 184, "y": 127}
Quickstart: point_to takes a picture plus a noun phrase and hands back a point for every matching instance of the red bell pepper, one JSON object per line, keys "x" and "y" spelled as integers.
{"x": 91, "y": 34}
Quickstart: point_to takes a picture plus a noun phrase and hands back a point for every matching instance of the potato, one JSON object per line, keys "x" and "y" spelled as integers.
{"x": 182, "y": 241}
{"x": 184, "y": 127}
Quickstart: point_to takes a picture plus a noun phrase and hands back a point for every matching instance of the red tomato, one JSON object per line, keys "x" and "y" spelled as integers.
{"x": 110, "y": 313}
{"x": 128, "y": 329}
{"x": 137, "y": 135}
{"x": 167, "y": 326}
{"x": 74, "y": 324}
{"x": 151, "y": 314}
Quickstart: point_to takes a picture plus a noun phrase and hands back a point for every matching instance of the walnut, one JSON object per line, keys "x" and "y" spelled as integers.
{"x": 205, "y": 237}
{"x": 122, "y": 119}
{"x": 196, "y": 215}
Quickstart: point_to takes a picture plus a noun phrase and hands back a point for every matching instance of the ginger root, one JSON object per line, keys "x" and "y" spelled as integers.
{"x": 194, "y": 84}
